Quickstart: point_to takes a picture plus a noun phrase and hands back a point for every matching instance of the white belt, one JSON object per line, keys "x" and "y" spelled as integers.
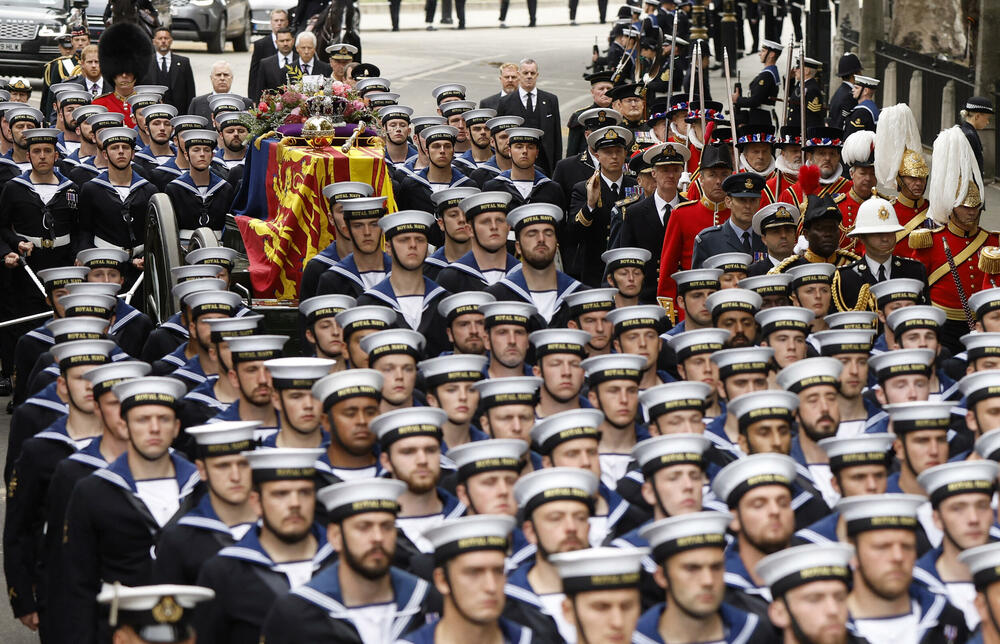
{"x": 61, "y": 240}
{"x": 103, "y": 243}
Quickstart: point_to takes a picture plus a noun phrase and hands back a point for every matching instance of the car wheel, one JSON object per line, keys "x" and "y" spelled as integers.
{"x": 217, "y": 43}
{"x": 242, "y": 42}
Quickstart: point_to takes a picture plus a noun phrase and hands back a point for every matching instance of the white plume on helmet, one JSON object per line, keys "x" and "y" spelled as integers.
{"x": 955, "y": 167}
{"x": 895, "y": 133}
{"x": 858, "y": 147}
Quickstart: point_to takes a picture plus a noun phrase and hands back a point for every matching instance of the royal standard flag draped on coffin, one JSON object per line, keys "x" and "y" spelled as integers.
{"x": 281, "y": 212}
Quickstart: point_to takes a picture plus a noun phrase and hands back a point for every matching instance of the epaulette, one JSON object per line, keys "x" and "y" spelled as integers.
{"x": 686, "y": 203}
{"x": 843, "y": 252}
{"x": 989, "y": 260}
{"x": 840, "y": 196}
{"x": 710, "y": 229}
{"x": 920, "y": 238}
{"x": 780, "y": 268}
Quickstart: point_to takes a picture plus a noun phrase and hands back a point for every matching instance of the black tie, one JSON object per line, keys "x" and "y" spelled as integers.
{"x": 164, "y": 71}
{"x": 881, "y": 273}
{"x": 531, "y": 105}
{"x": 746, "y": 243}
{"x": 614, "y": 186}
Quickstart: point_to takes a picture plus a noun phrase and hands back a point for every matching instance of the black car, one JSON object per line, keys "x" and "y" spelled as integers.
{"x": 28, "y": 33}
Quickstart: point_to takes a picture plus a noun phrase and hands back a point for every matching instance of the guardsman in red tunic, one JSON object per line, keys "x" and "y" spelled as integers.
{"x": 125, "y": 52}
{"x": 822, "y": 146}
{"x": 951, "y": 252}
{"x": 859, "y": 156}
{"x": 716, "y": 135}
{"x": 691, "y": 217}
{"x": 695, "y": 135}
{"x": 787, "y": 162}
{"x": 116, "y": 102}
{"x": 900, "y": 162}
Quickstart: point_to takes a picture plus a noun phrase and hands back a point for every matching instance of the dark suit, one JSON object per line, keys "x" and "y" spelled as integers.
{"x": 262, "y": 48}
{"x": 491, "y": 101}
{"x": 317, "y": 67}
{"x": 545, "y": 116}
{"x": 199, "y": 105}
{"x": 722, "y": 239}
{"x": 851, "y": 277}
{"x": 270, "y": 75}
{"x": 85, "y": 84}
{"x": 642, "y": 228}
{"x": 179, "y": 78}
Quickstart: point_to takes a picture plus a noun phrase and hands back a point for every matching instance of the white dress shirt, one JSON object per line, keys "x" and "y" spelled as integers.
{"x": 524, "y": 98}
{"x": 873, "y": 266}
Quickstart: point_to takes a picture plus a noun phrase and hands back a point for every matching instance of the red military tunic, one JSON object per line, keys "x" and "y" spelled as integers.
{"x": 849, "y": 213}
{"x": 686, "y": 221}
{"x": 928, "y": 248}
{"x": 793, "y": 193}
{"x": 770, "y": 196}
{"x": 115, "y": 103}
{"x": 695, "y": 161}
{"x": 911, "y": 215}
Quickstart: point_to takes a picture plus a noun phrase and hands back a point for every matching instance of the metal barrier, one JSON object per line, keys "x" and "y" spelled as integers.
{"x": 935, "y": 89}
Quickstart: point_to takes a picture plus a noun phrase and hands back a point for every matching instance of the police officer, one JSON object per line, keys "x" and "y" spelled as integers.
{"x": 843, "y": 102}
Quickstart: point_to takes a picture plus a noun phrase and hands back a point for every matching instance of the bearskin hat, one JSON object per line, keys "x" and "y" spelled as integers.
{"x": 124, "y": 47}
